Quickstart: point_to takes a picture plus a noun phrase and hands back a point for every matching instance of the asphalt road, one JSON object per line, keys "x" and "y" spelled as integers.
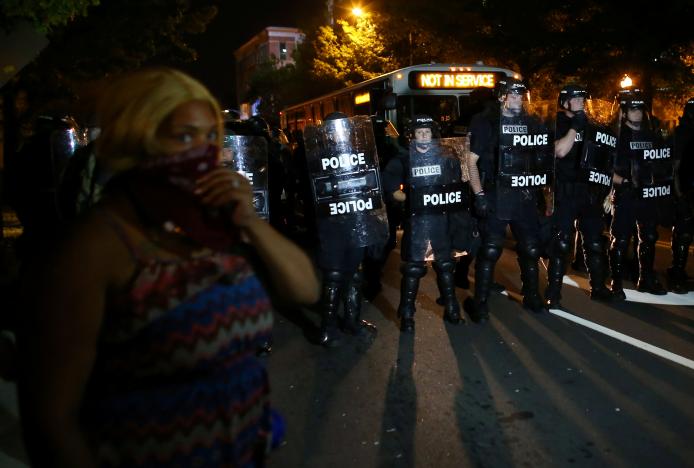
{"x": 521, "y": 390}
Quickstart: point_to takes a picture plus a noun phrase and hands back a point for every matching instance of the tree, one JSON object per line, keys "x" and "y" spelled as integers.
{"x": 351, "y": 53}
{"x": 115, "y": 37}
{"x": 44, "y": 15}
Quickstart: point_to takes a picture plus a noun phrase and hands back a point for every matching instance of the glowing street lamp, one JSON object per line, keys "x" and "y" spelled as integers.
{"x": 626, "y": 82}
{"x": 358, "y": 12}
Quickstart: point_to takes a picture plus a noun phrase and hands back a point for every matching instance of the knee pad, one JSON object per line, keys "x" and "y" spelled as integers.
{"x": 648, "y": 234}
{"x": 681, "y": 238}
{"x": 620, "y": 243}
{"x": 561, "y": 244}
{"x": 531, "y": 251}
{"x": 490, "y": 252}
{"x": 446, "y": 266}
{"x": 413, "y": 269}
{"x": 595, "y": 245}
{"x": 357, "y": 277}
{"x": 334, "y": 276}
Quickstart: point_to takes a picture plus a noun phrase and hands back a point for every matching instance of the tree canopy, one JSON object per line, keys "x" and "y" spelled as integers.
{"x": 44, "y": 15}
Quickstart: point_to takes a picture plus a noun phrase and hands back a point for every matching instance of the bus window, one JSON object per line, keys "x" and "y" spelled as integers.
{"x": 472, "y": 104}
{"x": 443, "y": 109}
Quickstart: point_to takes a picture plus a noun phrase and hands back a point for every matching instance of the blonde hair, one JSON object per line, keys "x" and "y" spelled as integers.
{"x": 134, "y": 106}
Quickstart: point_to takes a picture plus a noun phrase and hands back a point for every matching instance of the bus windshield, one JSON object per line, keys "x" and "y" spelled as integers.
{"x": 443, "y": 109}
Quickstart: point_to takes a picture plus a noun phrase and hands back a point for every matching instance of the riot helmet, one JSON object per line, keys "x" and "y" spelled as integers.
{"x": 259, "y": 126}
{"x": 633, "y": 106}
{"x": 511, "y": 92}
{"x": 422, "y": 129}
{"x": 569, "y": 92}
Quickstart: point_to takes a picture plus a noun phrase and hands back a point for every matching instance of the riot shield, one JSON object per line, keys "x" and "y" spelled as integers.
{"x": 248, "y": 155}
{"x": 525, "y": 157}
{"x": 436, "y": 196}
{"x": 64, "y": 141}
{"x": 653, "y": 172}
{"x": 346, "y": 184}
{"x": 599, "y": 147}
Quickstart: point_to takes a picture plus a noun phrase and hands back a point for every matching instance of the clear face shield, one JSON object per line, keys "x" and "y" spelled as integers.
{"x": 422, "y": 138}
{"x": 576, "y": 104}
{"x": 512, "y": 104}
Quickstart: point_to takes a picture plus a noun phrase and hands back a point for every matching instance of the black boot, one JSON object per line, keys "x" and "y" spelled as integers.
{"x": 409, "y": 285}
{"x": 352, "y": 322}
{"x": 596, "y": 260}
{"x": 445, "y": 282}
{"x": 528, "y": 259}
{"x": 677, "y": 275}
{"x": 484, "y": 273}
{"x": 478, "y": 311}
{"x": 559, "y": 251}
{"x": 555, "y": 276}
{"x": 648, "y": 282}
{"x": 617, "y": 264}
{"x": 330, "y": 301}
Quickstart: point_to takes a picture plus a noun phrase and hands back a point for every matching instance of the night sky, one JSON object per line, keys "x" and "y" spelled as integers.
{"x": 235, "y": 24}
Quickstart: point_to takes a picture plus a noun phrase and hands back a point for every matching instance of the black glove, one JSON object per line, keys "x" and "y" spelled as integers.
{"x": 579, "y": 121}
{"x": 481, "y": 205}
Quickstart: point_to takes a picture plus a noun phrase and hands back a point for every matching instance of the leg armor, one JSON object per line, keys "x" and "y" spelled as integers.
{"x": 618, "y": 254}
{"x": 487, "y": 256}
{"x": 677, "y": 275}
{"x": 529, "y": 254}
{"x": 352, "y": 322}
{"x": 445, "y": 281}
{"x": 559, "y": 251}
{"x": 412, "y": 272}
{"x": 648, "y": 235}
{"x": 596, "y": 260}
{"x": 330, "y": 300}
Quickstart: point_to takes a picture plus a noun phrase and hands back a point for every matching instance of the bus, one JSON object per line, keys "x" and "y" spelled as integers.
{"x": 449, "y": 93}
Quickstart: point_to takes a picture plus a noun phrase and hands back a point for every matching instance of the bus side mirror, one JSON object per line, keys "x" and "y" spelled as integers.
{"x": 390, "y": 101}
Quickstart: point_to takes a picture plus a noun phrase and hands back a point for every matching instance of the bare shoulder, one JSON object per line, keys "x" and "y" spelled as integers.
{"x": 96, "y": 249}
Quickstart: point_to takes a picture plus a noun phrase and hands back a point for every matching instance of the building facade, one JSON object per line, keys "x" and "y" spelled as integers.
{"x": 272, "y": 43}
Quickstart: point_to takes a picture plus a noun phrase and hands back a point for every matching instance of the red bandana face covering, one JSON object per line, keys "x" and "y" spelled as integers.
{"x": 162, "y": 192}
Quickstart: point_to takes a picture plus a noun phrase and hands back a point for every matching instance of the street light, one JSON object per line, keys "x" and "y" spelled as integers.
{"x": 358, "y": 12}
{"x": 626, "y": 82}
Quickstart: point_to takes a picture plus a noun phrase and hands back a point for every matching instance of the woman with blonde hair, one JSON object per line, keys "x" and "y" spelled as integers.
{"x": 141, "y": 344}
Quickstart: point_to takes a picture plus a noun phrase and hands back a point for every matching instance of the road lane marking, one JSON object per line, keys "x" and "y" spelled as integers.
{"x": 625, "y": 338}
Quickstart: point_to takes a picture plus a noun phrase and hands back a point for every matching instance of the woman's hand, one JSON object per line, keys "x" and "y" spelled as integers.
{"x": 224, "y": 187}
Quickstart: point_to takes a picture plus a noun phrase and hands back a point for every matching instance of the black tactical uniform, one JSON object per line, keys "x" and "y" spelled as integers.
{"x": 645, "y": 165}
{"x": 684, "y": 183}
{"x": 435, "y": 216}
{"x": 583, "y": 178}
{"x": 506, "y": 200}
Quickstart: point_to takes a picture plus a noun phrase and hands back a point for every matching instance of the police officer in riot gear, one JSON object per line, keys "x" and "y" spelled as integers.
{"x": 351, "y": 218}
{"x": 276, "y": 172}
{"x": 427, "y": 171}
{"x": 582, "y": 182}
{"x": 684, "y": 187}
{"x": 511, "y": 160}
{"x": 643, "y": 179}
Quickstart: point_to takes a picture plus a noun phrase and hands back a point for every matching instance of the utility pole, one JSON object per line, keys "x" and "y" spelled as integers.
{"x": 331, "y": 17}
